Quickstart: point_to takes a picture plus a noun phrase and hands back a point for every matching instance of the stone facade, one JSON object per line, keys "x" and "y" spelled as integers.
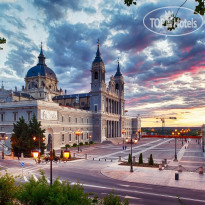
{"x": 99, "y": 114}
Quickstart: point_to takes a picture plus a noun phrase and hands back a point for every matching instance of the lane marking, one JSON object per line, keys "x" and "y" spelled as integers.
{"x": 130, "y": 186}
{"x": 25, "y": 179}
{"x": 35, "y": 178}
{"x": 141, "y": 192}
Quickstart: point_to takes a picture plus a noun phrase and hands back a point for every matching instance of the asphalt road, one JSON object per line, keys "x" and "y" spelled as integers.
{"x": 88, "y": 172}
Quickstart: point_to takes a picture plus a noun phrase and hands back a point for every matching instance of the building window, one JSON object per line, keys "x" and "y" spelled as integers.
{"x": 62, "y": 137}
{"x": 69, "y": 137}
{"x": 82, "y": 120}
{"x": 76, "y": 137}
{"x": 87, "y": 136}
{"x": 76, "y": 120}
{"x": 2, "y": 117}
{"x": 63, "y": 128}
{"x": 69, "y": 119}
{"x": 87, "y": 121}
{"x": 15, "y": 116}
{"x": 2, "y": 128}
{"x": 62, "y": 119}
{"x": 96, "y": 75}
{"x": 29, "y": 115}
{"x": 82, "y": 136}
{"x": 82, "y": 103}
{"x": 96, "y": 108}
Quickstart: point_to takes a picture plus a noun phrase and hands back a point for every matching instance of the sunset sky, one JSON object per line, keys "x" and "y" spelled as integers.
{"x": 164, "y": 75}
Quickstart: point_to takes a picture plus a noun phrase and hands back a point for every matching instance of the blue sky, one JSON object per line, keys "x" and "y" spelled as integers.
{"x": 164, "y": 75}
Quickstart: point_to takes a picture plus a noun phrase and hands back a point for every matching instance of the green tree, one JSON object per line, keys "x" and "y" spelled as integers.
{"x": 22, "y": 139}
{"x": 19, "y": 140}
{"x": 140, "y": 159}
{"x": 151, "y": 161}
{"x": 2, "y": 41}
{"x": 61, "y": 155}
{"x": 129, "y": 159}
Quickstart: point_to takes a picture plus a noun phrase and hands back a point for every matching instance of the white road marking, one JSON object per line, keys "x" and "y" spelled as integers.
{"x": 125, "y": 185}
{"x": 141, "y": 192}
{"x": 25, "y": 179}
{"x": 35, "y": 178}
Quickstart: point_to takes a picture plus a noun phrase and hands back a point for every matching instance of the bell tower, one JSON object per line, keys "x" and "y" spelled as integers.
{"x": 98, "y": 72}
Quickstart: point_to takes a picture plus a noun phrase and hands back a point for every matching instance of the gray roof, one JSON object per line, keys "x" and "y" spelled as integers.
{"x": 81, "y": 95}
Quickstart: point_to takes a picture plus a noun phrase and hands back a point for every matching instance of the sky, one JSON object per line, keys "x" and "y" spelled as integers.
{"x": 164, "y": 75}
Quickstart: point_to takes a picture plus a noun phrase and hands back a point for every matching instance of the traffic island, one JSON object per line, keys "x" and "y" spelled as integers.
{"x": 140, "y": 165}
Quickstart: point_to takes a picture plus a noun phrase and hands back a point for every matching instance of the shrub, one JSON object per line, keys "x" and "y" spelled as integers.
{"x": 114, "y": 200}
{"x": 81, "y": 143}
{"x": 67, "y": 146}
{"x": 151, "y": 161}
{"x": 91, "y": 142}
{"x": 86, "y": 143}
{"x": 8, "y": 189}
{"x": 129, "y": 159}
{"x": 140, "y": 159}
{"x": 75, "y": 145}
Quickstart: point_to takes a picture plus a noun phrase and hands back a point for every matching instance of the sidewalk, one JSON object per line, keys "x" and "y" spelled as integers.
{"x": 154, "y": 176}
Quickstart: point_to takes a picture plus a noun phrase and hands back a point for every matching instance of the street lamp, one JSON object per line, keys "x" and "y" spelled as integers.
{"x": 139, "y": 132}
{"x": 175, "y": 134}
{"x": 66, "y": 154}
{"x": 90, "y": 139}
{"x": 78, "y": 133}
{"x": 35, "y": 154}
{"x": 123, "y": 132}
{"x": 39, "y": 141}
{"x": 2, "y": 137}
{"x": 135, "y": 142}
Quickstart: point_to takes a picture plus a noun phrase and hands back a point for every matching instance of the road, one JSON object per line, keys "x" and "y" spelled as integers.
{"x": 88, "y": 172}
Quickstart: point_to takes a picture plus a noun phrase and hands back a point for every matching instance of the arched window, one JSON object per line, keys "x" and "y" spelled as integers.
{"x": 42, "y": 84}
{"x": 32, "y": 85}
{"x": 96, "y": 75}
{"x": 117, "y": 86}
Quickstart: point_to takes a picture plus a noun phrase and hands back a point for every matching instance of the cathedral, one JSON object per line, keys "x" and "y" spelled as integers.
{"x": 98, "y": 114}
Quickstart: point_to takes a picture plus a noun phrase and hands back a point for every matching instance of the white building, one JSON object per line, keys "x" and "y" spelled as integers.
{"x": 99, "y": 113}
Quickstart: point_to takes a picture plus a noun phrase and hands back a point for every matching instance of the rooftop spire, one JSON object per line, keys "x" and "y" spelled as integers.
{"x": 118, "y": 73}
{"x": 98, "y": 55}
{"x": 41, "y": 57}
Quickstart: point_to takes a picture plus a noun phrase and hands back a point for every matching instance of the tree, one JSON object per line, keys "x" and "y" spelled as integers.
{"x": 2, "y": 41}
{"x": 129, "y": 159}
{"x": 36, "y": 131}
{"x": 22, "y": 139}
{"x": 151, "y": 161}
{"x": 140, "y": 159}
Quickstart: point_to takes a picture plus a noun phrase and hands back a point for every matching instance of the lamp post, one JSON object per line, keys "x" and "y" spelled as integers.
{"x": 90, "y": 139}
{"x": 39, "y": 142}
{"x": 3, "y": 137}
{"x": 175, "y": 134}
{"x": 66, "y": 154}
{"x": 139, "y": 133}
{"x": 123, "y": 132}
{"x": 78, "y": 133}
{"x": 131, "y": 164}
{"x": 51, "y": 159}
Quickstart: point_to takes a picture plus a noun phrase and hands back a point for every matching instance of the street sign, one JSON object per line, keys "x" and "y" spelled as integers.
{"x": 22, "y": 164}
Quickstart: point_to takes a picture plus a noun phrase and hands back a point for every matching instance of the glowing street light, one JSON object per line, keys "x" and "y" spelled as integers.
{"x": 66, "y": 154}
{"x": 175, "y": 134}
{"x": 35, "y": 154}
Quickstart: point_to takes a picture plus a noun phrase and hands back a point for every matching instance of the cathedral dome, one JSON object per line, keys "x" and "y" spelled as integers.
{"x": 41, "y": 69}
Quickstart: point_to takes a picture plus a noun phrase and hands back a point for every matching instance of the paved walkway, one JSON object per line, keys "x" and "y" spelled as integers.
{"x": 189, "y": 180}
